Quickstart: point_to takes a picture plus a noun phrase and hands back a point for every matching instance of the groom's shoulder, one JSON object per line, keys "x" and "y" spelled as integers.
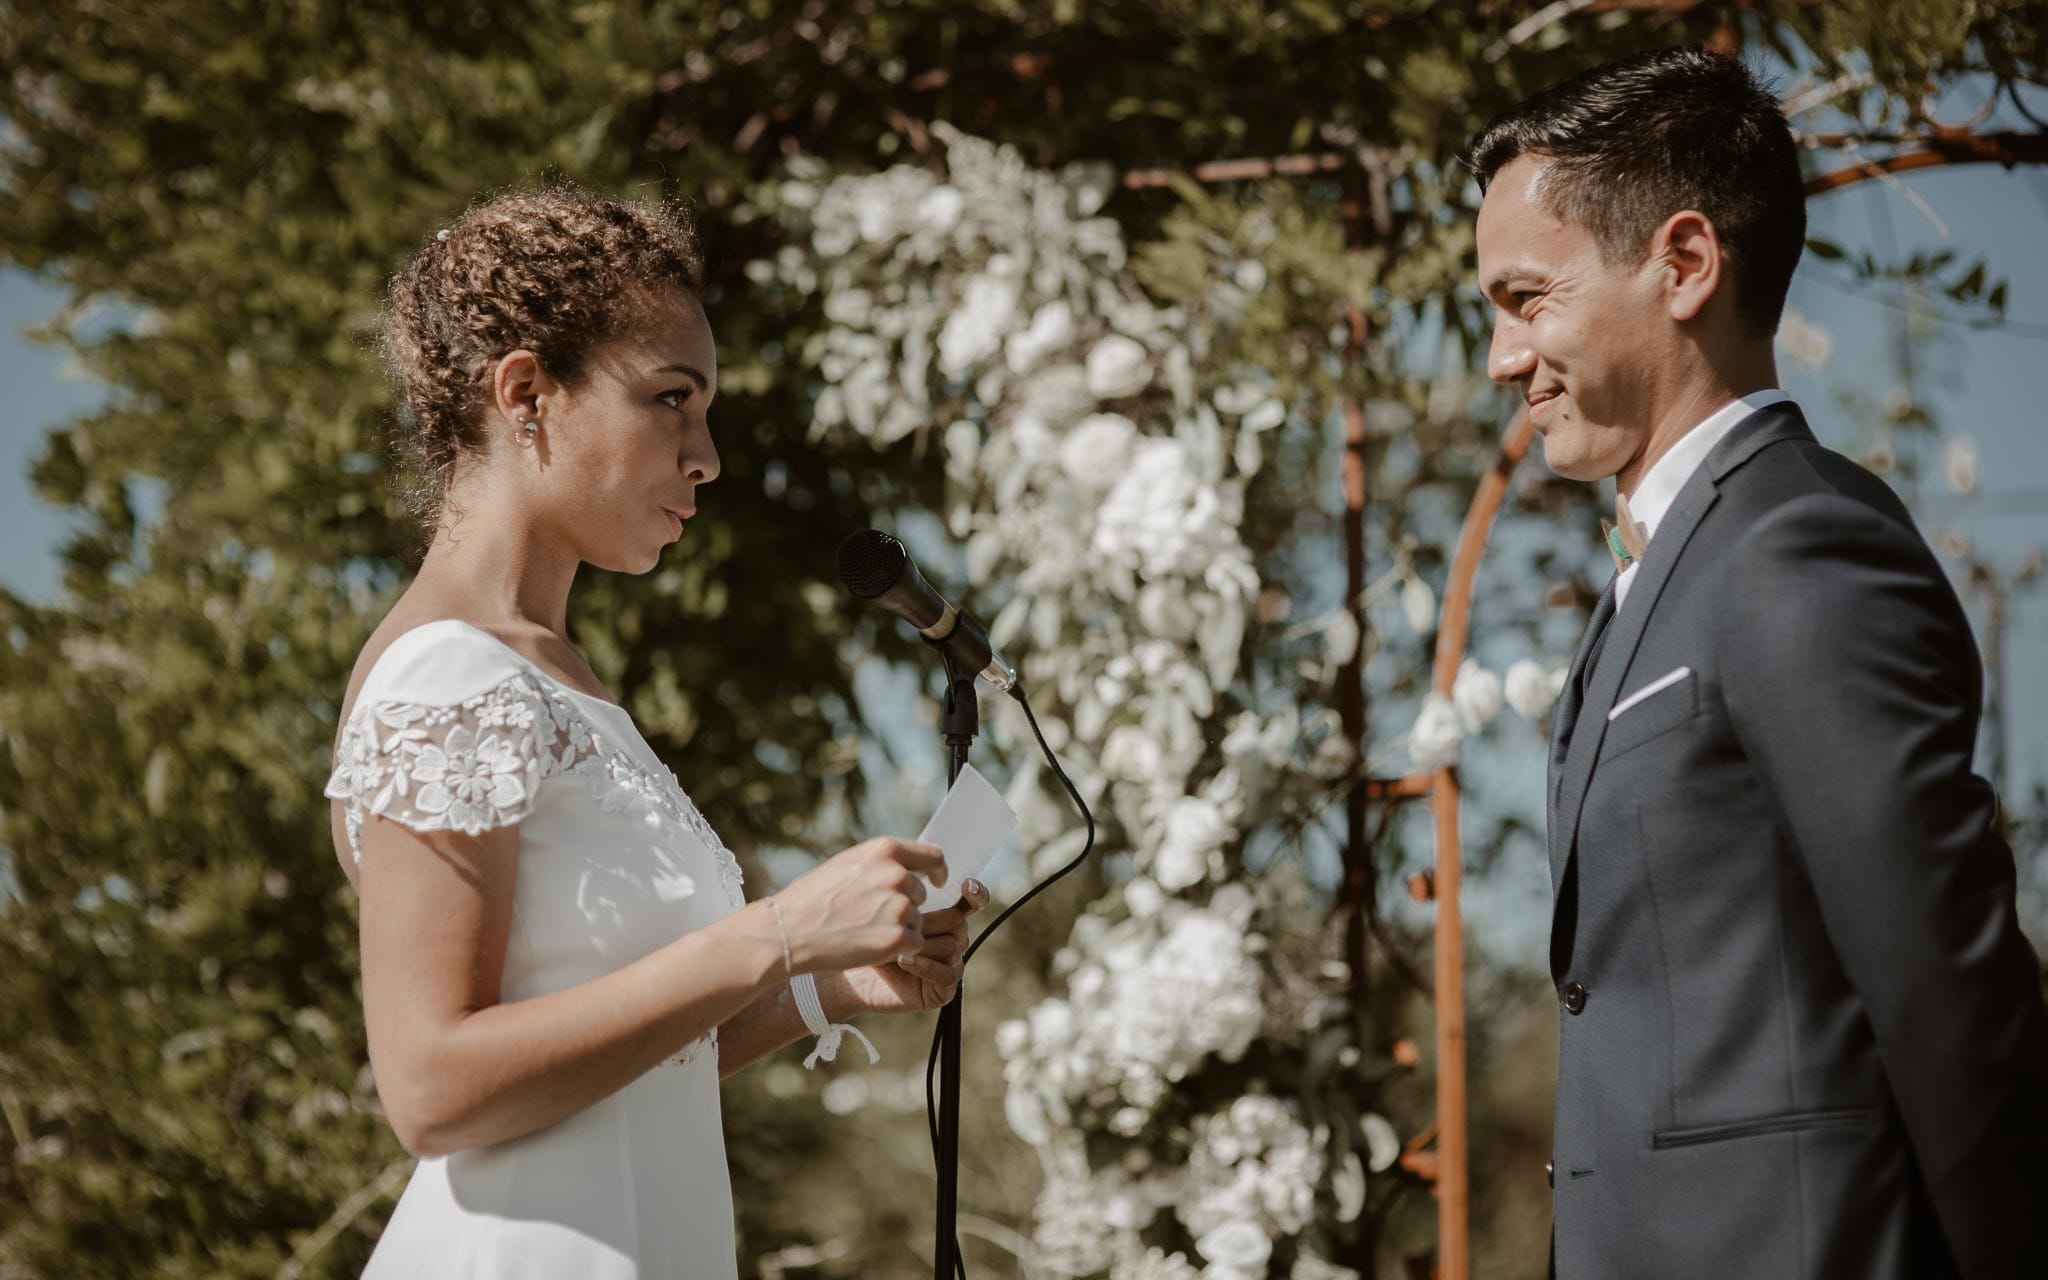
{"x": 1797, "y": 500}
{"x": 1795, "y": 465}
{"x": 1795, "y": 470}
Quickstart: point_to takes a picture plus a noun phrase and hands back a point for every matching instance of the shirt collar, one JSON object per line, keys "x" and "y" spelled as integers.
{"x": 1660, "y": 486}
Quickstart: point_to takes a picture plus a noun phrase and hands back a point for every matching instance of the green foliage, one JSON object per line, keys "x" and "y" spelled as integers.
{"x": 1908, "y": 45}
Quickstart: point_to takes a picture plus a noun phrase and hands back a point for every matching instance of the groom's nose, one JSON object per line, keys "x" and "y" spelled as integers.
{"x": 1510, "y": 358}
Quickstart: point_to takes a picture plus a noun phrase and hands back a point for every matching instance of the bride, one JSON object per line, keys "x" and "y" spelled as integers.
{"x": 559, "y": 964}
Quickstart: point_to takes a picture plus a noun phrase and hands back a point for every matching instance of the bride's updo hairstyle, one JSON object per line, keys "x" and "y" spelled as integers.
{"x": 556, "y": 271}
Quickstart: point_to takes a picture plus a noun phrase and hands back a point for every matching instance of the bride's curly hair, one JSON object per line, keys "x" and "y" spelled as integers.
{"x": 556, "y": 270}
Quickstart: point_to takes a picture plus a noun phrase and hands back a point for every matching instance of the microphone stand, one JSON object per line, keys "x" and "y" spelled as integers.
{"x": 959, "y": 722}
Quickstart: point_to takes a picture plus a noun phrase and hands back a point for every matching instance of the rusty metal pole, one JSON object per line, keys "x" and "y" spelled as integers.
{"x": 1361, "y": 888}
{"x": 1453, "y": 1186}
{"x": 1359, "y": 895}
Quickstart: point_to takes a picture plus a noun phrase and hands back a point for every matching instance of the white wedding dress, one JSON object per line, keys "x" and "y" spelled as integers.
{"x": 453, "y": 729}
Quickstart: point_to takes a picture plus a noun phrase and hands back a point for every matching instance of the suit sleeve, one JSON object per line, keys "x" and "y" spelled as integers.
{"x": 1853, "y": 684}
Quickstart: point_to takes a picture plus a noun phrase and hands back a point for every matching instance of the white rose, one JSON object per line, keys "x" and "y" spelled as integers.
{"x": 1118, "y": 367}
{"x": 1267, "y": 415}
{"x": 1433, "y": 740}
{"x": 1167, "y": 612}
{"x": 1308, "y": 1266}
{"x": 1476, "y": 694}
{"x": 1235, "y": 1249}
{"x": 1160, "y": 518}
{"x": 1131, "y": 753}
{"x": 1051, "y": 1021}
{"x": 1143, "y": 897}
{"x": 874, "y": 212}
{"x": 975, "y": 329}
{"x": 1194, "y": 830}
{"x": 940, "y": 209}
{"x": 1026, "y": 1116}
{"x": 1098, "y": 449}
{"x": 1012, "y": 1037}
{"x": 1961, "y": 466}
{"x": 1418, "y": 605}
{"x": 1347, "y": 1181}
{"x": 1531, "y": 689}
{"x": 1381, "y": 1142}
{"x": 1803, "y": 340}
{"x": 1240, "y": 398}
{"x": 1052, "y": 327}
{"x": 1156, "y": 1264}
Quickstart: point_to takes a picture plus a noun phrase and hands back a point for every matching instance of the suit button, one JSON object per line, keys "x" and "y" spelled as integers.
{"x": 1574, "y": 997}
{"x": 1550, "y": 1172}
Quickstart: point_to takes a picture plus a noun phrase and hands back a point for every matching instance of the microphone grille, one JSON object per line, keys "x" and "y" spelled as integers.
{"x": 871, "y": 562}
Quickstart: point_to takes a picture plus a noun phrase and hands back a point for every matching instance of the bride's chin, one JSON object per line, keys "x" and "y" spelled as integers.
{"x": 637, "y": 561}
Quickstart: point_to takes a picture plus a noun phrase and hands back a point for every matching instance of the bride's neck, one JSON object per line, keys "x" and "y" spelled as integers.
{"x": 499, "y": 564}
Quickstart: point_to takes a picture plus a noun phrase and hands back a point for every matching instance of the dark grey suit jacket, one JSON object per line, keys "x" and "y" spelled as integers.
{"x": 1802, "y": 1035}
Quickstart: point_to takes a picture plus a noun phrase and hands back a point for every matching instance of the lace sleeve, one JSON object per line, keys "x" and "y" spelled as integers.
{"x": 470, "y": 766}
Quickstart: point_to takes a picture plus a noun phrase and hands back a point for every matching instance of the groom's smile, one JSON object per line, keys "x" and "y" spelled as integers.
{"x": 1567, "y": 325}
{"x": 1539, "y": 402}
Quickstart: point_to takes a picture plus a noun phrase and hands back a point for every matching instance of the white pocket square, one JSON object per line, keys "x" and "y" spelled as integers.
{"x": 1658, "y": 685}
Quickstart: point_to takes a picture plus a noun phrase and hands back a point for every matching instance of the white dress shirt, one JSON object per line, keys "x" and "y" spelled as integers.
{"x": 1668, "y": 474}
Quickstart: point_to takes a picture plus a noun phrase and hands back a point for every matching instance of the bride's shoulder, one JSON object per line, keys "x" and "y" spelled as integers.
{"x": 446, "y": 725}
{"x": 429, "y": 660}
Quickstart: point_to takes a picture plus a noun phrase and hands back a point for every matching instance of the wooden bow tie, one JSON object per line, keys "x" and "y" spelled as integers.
{"x": 1623, "y": 535}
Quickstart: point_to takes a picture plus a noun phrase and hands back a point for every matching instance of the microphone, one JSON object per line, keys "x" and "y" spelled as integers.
{"x": 877, "y": 568}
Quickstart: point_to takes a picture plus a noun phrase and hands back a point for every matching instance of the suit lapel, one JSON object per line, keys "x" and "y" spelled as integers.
{"x": 1603, "y": 683}
{"x": 1569, "y": 702}
{"x": 1589, "y": 723}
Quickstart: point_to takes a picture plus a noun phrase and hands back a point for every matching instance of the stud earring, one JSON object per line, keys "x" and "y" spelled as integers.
{"x": 531, "y": 430}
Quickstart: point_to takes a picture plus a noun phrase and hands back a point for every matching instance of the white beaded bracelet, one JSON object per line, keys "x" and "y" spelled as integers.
{"x": 829, "y": 1033}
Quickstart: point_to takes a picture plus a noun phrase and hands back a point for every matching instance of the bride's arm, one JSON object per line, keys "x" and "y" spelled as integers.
{"x": 772, "y": 1022}
{"x": 458, "y": 1069}
{"x": 918, "y": 984}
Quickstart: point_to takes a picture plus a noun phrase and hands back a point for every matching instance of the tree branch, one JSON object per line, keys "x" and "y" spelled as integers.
{"x": 344, "y": 1214}
{"x": 1930, "y": 150}
{"x": 1251, "y": 170}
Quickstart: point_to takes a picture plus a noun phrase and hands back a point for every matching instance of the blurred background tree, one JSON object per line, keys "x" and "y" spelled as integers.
{"x": 222, "y": 188}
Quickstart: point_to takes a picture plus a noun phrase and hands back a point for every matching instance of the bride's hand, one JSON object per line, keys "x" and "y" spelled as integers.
{"x": 927, "y": 979}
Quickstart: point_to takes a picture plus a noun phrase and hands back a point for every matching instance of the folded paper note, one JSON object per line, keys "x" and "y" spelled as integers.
{"x": 970, "y": 826}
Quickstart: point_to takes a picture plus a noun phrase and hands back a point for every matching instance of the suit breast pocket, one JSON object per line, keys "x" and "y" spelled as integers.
{"x": 1651, "y": 710}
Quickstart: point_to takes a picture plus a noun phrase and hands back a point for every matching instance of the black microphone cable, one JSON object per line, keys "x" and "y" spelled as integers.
{"x": 931, "y": 1104}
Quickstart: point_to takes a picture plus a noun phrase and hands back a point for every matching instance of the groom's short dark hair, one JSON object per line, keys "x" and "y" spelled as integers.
{"x": 1635, "y": 141}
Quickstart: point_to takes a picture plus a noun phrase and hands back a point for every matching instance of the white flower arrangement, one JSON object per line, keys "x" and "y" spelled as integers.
{"x": 1096, "y": 462}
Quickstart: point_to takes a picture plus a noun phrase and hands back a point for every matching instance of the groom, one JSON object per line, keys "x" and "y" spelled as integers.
{"x": 1802, "y": 1035}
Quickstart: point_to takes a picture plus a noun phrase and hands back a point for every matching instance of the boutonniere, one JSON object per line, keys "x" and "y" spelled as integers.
{"x": 1624, "y": 537}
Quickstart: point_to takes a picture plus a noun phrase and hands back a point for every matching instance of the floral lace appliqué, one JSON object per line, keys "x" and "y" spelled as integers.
{"x": 480, "y": 763}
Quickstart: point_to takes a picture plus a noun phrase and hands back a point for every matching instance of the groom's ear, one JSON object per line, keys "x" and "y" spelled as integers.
{"x": 1688, "y": 252}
